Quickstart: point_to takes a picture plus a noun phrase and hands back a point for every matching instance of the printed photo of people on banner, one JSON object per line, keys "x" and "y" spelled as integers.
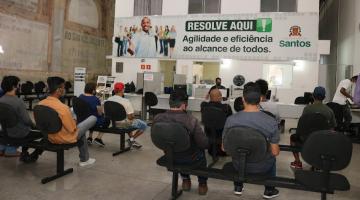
{"x": 145, "y": 40}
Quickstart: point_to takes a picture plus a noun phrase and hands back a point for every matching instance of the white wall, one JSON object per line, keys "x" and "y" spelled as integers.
{"x": 308, "y": 6}
{"x": 177, "y": 7}
{"x": 240, "y": 6}
{"x": 124, "y": 8}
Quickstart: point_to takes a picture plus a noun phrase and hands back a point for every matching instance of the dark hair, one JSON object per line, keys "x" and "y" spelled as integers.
{"x": 9, "y": 83}
{"x": 177, "y": 98}
{"x": 264, "y": 87}
{"x": 218, "y": 78}
{"x": 54, "y": 83}
{"x": 252, "y": 93}
{"x": 89, "y": 88}
{"x": 354, "y": 78}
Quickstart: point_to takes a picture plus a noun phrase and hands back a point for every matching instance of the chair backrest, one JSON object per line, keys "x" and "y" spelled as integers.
{"x": 150, "y": 99}
{"x": 245, "y": 139}
{"x": 47, "y": 120}
{"x": 327, "y": 150}
{"x": 114, "y": 111}
{"x": 338, "y": 112}
{"x": 269, "y": 113}
{"x": 67, "y": 86}
{"x": 174, "y": 134}
{"x": 39, "y": 87}
{"x": 26, "y": 88}
{"x": 300, "y": 100}
{"x": 81, "y": 109}
{"x": 238, "y": 104}
{"x": 213, "y": 117}
{"x": 8, "y": 117}
{"x": 311, "y": 122}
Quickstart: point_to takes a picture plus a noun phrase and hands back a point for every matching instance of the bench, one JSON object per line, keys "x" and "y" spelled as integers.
{"x": 113, "y": 111}
{"x": 48, "y": 121}
{"x": 324, "y": 150}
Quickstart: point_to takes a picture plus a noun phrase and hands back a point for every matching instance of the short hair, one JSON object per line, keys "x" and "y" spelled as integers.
{"x": 354, "y": 78}
{"x": 146, "y": 17}
{"x": 264, "y": 87}
{"x": 9, "y": 83}
{"x": 54, "y": 83}
{"x": 178, "y": 97}
{"x": 252, "y": 93}
{"x": 218, "y": 78}
{"x": 89, "y": 87}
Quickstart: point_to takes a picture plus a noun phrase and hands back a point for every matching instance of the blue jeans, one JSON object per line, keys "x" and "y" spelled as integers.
{"x": 8, "y": 150}
{"x": 199, "y": 157}
{"x": 271, "y": 172}
{"x": 139, "y": 124}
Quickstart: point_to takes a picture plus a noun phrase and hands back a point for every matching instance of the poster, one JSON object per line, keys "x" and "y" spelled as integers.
{"x": 263, "y": 36}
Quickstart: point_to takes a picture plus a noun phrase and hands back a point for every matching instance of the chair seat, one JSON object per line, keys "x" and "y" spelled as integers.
{"x": 314, "y": 180}
{"x": 162, "y": 161}
{"x": 50, "y": 146}
{"x": 113, "y": 130}
{"x": 230, "y": 170}
{"x": 16, "y": 141}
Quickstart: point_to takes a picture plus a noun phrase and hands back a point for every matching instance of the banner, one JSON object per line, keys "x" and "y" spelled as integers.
{"x": 263, "y": 36}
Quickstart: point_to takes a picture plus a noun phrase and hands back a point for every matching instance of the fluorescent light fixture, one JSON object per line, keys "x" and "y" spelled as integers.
{"x": 1, "y": 50}
{"x": 299, "y": 65}
{"x": 225, "y": 63}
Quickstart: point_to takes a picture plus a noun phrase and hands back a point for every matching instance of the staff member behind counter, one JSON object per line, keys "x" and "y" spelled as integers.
{"x": 217, "y": 86}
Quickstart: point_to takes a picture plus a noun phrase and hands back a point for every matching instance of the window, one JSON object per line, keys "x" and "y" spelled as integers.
{"x": 147, "y": 7}
{"x": 204, "y": 6}
{"x": 278, "y": 6}
{"x": 278, "y": 75}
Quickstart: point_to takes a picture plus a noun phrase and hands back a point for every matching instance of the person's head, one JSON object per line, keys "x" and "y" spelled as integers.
{"x": 215, "y": 95}
{"x": 119, "y": 88}
{"x": 172, "y": 28}
{"x": 252, "y": 94}
{"x": 218, "y": 81}
{"x": 319, "y": 93}
{"x": 354, "y": 79}
{"x": 178, "y": 100}
{"x": 10, "y": 84}
{"x": 167, "y": 28}
{"x": 264, "y": 87}
{"x": 56, "y": 86}
{"x": 145, "y": 24}
{"x": 90, "y": 88}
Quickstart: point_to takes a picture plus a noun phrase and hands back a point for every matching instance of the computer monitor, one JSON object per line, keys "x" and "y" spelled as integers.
{"x": 268, "y": 94}
{"x": 180, "y": 87}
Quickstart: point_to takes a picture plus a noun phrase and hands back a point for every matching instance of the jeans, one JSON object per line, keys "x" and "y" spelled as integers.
{"x": 8, "y": 150}
{"x": 83, "y": 127}
{"x": 271, "y": 172}
{"x": 139, "y": 124}
{"x": 198, "y": 157}
{"x": 120, "y": 48}
{"x": 347, "y": 117}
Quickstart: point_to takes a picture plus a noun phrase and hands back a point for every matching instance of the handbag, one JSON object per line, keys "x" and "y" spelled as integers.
{"x": 117, "y": 39}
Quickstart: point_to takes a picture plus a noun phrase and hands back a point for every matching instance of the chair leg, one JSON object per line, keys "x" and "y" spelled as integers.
{"x": 174, "y": 188}
{"x": 122, "y": 145}
{"x": 59, "y": 168}
{"x": 323, "y": 196}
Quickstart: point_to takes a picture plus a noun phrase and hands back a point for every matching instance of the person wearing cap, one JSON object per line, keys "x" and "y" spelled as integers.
{"x": 130, "y": 122}
{"x": 317, "y": 107}
{"x": 342, "y": 94}
{"x": 195, "y": 154}
{"x": 252, "y": 117}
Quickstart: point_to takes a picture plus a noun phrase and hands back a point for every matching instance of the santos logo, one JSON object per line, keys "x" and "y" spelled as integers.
{"x": 295, "y": 32}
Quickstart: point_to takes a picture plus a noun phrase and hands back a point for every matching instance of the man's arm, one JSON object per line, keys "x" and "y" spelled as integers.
{"x": 343, "y": 92}
{"x": 200, "y": 137}
{"x": 275, "y": 149}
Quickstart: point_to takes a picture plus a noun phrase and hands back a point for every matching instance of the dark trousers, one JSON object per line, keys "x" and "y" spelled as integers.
{"x": 156, "y": 43}
{"x": 199, "y": 157}
{"x": 347, "y": 116}
{"x": 33, "y": 136}
{"x": 161, "y": 45}
{"x": 166, "y": 49}
{"x": 271, "y": 172}
{"x": 120, "y": 48}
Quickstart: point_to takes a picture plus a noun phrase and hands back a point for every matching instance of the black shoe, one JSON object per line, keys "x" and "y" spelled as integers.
{"x": 89, "y": 140}
{"x": 99, "y": 142}
{"x": 270, "y": 193}
{"x": 25, "y": 157}
{"x": 238, "y": 190}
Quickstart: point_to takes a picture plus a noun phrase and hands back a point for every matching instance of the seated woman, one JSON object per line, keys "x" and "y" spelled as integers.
{"x": 96, "y": 110}
{"x": 22, "y": 129}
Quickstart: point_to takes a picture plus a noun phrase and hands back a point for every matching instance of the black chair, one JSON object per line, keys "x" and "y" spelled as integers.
{"x": 214, "y": 120}
{"x": 116, "y": 112}
{"x": 49, "y": 122}
{"x": 339, "y": 115}
{"x": 39, "y": 89}
{"x": 81, "y": 109}
{"x": 300, "y": 101}
{"x": 68, "y": 85}
{"x": 238, "y": 104}
{"x": 328, "y": 151}
{"x": 152, "y": 100}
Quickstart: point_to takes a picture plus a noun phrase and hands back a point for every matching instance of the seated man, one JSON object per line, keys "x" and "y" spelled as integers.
{"x": 317, "y": 107}
{"x": 96, "y": 110}
{"x": 130, "y": 122}
{"x": 264, "y": 104}
{"x": 215, "y": 101}
{"x": 252, "y": 117}
{"x": 69, "y": 133}
{"x": 22, "y": 129}
{"x": 177, "y": 113}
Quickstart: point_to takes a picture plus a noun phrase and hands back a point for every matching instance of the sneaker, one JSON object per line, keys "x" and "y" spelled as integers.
{"x": 136, "y": 145}
{"x": 186, "y": 185}
{"x": 99, "y": 142}
{"x": 87, "y": 163}
{"x": 238, "y": 190}
{"x": 25, "y": 157}
{"x": 272, "y": 193}
{"x": 89, "y": 140}
{"x": 202, "y": 189}
{"x": 296, "y": 165}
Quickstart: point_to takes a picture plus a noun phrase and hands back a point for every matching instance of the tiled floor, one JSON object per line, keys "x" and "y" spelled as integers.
{"x": 134, "y": 175}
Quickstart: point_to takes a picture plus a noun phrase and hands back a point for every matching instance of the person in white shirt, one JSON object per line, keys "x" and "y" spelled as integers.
{"x": 130, "y": 122}
{"x": 342, "y": 94}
